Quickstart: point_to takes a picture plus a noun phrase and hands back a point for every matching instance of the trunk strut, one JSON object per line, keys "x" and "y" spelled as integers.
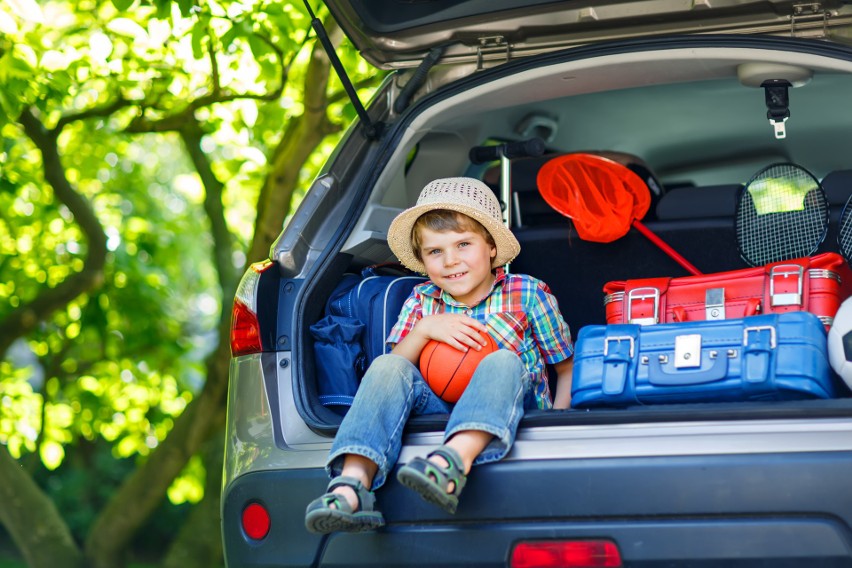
{"x": 372, "y": 130}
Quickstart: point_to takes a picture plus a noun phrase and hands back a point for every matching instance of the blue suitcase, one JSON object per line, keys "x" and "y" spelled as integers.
{"x": 767, "y": 357}
{"x": 360, "y": 314}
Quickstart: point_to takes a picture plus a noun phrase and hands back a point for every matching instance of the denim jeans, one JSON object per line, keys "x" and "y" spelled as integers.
{"x": 393, "y": 388}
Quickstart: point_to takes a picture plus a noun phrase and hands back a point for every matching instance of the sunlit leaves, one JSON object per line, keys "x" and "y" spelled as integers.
{"x": 117, "y": 366}
{"x": 189, "y": 485}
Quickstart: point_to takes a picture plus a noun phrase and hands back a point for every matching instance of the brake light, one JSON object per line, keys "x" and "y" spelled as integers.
{"x": 245, "y": 328}
{"x": 566, "y": 554}
{"x": 256, "y": 521}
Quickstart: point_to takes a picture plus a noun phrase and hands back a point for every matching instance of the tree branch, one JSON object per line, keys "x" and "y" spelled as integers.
{"x": 20, "y": 321}
{"x": 102, "y": 111}
{"x": 223, "y": 241}
{"x": 33, "y": 520}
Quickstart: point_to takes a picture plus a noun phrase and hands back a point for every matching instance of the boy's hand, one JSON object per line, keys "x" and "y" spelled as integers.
{"x": 457, "y": 330}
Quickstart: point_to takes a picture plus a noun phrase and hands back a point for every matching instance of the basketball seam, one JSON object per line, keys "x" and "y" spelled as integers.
{"x": 453, "y": 374}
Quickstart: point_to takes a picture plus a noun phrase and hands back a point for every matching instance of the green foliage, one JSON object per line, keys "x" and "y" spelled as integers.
{"x": 99, "y": 383}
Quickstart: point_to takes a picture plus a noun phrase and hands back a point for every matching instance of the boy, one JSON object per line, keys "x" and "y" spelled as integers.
{"x": 456, "y": 237}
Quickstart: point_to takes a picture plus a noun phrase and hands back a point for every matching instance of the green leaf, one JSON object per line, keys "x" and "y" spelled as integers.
{"x": 229, "y": 36}
{"x": 186, "y": 7}
{"x": 122, "y": 5}
{"x": 199, "y": 31}
{"x": 259, "y": 48}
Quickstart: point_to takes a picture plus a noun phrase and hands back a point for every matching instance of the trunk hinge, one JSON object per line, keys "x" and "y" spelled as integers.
{"x": 490, "y": 45}
{"x": 372, "y": 130}
{"x": 805, "y": 16}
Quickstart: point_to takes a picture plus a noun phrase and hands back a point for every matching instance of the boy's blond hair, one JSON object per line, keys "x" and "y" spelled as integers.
{"x": 442, "y": 221}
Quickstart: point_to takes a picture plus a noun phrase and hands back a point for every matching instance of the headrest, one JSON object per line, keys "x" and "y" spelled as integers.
{"x": 699, "y": 202}
{"x": 838, "y": 186}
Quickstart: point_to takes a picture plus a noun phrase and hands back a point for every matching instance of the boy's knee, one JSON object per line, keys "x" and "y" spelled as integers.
{"x": 504, "y": 357}
{"x": 503, "y": 363}
{"x": 387, "y": 367}
{"x": 389, "y": 361}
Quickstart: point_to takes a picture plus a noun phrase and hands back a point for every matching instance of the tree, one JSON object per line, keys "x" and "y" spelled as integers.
{"x": 140, "y": 141}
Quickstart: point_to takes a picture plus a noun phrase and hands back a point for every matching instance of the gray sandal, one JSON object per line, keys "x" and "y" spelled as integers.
{"x": 432, "y": 481}
{"x": 321, "y": 518}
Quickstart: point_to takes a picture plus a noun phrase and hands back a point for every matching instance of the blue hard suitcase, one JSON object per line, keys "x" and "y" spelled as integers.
{"x": 766, "y": 357}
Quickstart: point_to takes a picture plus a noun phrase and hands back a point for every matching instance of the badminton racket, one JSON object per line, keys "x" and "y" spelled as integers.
{"x": 782, "y": 213}
{"x": 844, "y": 232}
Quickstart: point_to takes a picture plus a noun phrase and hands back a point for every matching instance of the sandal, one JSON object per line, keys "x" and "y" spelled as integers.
{"x": 432, "y": 481}
{"x": 321, "y": 518}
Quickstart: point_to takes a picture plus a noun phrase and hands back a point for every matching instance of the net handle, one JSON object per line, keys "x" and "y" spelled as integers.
{"x": 662, "y": 245}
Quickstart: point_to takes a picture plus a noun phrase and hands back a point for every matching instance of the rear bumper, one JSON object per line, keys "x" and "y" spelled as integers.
{"x": 719, "y": 510}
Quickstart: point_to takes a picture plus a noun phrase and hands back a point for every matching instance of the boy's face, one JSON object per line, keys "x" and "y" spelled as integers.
{"x": 458, "y": 263}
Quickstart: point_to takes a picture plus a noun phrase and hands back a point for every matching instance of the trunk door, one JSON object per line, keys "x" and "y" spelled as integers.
{"x": 396, "y": 34}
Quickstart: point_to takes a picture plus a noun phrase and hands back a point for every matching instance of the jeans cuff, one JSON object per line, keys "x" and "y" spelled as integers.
{"x": 334, "y": 465}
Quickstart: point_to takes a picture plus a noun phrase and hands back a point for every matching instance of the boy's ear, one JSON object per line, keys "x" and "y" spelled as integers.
{"x": 493, "y": 252}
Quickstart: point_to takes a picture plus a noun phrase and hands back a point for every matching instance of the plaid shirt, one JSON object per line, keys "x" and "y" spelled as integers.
{"x": 521, "y": 314}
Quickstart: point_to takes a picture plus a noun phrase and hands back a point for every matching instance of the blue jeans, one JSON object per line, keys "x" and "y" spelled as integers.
{"x": 393, "y": 389}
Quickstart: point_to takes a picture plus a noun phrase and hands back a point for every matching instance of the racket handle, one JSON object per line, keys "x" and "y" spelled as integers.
{"x": 666, "y": 248}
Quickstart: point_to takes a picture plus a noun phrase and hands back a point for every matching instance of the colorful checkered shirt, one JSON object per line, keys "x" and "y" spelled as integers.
{"x": 521, "y": 315}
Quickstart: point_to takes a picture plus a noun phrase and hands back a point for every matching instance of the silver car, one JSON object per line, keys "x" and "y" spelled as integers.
{"x": 694, "y": 97}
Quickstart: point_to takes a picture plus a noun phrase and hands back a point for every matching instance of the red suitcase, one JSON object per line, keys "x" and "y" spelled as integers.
{"x": 816, "y": 284}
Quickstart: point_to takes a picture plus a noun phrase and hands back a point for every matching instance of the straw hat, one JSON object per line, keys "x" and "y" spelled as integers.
{"x": 465, "y": 195}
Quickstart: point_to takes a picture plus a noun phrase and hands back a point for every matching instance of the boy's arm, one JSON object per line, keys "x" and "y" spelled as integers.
{"x": 564, "y": 372}
{"x": 459, "y": 331}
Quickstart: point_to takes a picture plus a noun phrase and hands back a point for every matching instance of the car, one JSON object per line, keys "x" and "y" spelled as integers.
{"x": 694, "y": 98}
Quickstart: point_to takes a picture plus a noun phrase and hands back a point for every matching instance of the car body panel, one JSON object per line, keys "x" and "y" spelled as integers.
{"x": 393, "y": 34}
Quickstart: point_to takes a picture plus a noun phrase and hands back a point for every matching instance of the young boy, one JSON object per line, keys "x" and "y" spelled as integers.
{"x": 456, "y": 237}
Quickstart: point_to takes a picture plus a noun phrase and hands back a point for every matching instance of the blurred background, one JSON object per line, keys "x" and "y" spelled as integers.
{"x": 151, "y": 150}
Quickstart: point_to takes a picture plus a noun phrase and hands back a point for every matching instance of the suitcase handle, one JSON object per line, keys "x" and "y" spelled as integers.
{"x": 658, "y": 376}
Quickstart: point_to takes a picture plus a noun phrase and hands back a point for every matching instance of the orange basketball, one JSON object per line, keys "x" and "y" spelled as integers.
{"x": 447, "y": 370}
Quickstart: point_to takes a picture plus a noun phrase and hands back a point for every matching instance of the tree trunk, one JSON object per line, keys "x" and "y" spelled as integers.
{"x": 32, "y": 520}
{"x": 143, "y": 491}
{"x": 199, "y": 542}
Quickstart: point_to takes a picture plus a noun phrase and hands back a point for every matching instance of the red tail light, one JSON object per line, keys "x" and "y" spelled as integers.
{"x": 256, "y": 521}
{"x": 566, "y": 554}
{"x": 245, "y": 329}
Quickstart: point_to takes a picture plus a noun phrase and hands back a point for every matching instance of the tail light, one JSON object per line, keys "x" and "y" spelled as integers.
{"x": 566, "y": 554}
{"x": 256, "y": 521}
{"x": 245, "y": 329}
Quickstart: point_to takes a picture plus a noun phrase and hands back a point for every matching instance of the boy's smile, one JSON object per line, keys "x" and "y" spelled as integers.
{"x": 458, "y": 263}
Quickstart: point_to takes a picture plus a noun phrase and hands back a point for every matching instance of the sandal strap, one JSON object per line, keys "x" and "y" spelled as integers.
{"x": 455, "y": 472}
{"x": 366, "y": 498}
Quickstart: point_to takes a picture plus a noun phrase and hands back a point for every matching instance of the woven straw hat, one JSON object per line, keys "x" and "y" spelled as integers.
{"x": 465, "y": 195}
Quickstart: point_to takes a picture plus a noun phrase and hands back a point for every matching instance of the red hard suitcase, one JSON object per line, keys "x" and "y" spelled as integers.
{"x": 816, "y": 284}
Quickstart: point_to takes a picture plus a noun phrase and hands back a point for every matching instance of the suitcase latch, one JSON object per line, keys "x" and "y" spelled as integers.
{"x": 714, "y": 304}
{"x": 787, "y": 298}
{"x": 687, "y": 351}
{"x": 638, "y": 295}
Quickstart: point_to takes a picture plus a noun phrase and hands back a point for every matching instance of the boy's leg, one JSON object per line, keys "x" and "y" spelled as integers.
{"x": 360, "y": 468}
{"x": 481, "y": 428}
{"x": 369, "y": 439}
{"x": 483, "y": 423}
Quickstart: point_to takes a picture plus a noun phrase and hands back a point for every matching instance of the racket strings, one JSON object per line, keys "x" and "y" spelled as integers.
{"x": 844, "y": 233}
{"x": 782, "y": 214}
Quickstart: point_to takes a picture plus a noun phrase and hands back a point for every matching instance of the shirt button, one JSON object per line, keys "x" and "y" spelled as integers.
{"x": 468, "y": 312}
